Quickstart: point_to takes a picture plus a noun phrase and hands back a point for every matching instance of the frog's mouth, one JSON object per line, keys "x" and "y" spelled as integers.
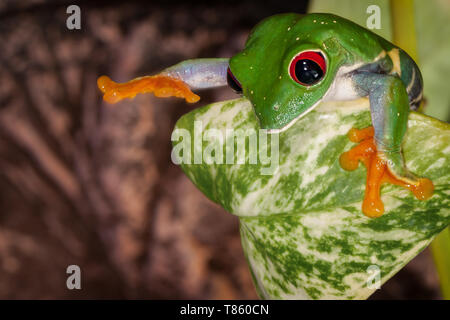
{"x": 293, "y": 121}
{"x": 340, "y": 89}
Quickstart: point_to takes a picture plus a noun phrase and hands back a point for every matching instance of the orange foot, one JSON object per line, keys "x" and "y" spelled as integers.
{"x": 377, "y": 172}
{"x": 161, "y": 86}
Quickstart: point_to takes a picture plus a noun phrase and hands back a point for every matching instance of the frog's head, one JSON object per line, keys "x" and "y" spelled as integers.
{"x": 288, "y": 64}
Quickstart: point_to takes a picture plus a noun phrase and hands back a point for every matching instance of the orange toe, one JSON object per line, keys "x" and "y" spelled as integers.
{"x": 362, "y": 152}
{"x": 372, "y": 205}
{"x": 373, "y": 208}
{"x": 358, "y": 135}
{"x": 348, "y": 162}
{"x": 424, "y": 189}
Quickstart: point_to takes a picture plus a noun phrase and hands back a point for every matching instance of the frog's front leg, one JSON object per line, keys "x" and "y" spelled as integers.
{"x": 380, "y": 148}
{"x": 177, "y": 81}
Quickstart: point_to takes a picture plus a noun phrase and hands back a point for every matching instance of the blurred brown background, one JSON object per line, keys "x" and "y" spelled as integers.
{"x": 85, "y": 183}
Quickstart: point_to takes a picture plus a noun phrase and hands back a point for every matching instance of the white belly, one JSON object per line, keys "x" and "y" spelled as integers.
{"x": 342, "y": 88}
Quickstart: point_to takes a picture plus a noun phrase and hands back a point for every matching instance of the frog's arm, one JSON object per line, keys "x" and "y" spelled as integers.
{"x": 389, "y": 107}
{"x": 200, "y": 73}
{"x": 177, "y": 81}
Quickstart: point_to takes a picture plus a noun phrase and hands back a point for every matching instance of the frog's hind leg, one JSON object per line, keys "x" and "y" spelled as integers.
{"x": 380, "y": 148}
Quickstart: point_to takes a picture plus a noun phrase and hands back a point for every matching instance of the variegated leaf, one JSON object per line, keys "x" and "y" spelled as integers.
{"x": 302, "y": 228}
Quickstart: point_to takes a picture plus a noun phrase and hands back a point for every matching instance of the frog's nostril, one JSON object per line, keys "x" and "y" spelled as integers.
{"x": 233, "y": 83}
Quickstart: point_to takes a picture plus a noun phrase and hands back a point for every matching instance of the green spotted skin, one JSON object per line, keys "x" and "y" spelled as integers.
{"x": 302, "y": 228}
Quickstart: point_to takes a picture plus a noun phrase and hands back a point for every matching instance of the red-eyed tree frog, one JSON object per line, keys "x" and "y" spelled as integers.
{"x": 290, "y": 64}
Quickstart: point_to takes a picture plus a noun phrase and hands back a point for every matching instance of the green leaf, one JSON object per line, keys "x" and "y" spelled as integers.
{"x": 302, "y": 228}
{"x": 440, "y": 248}
{"x": 432, "y": 30}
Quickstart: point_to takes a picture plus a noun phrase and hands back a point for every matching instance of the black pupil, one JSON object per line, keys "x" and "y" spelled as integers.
{"x": 233, "y": 83}
{"x": 308, "y": 71}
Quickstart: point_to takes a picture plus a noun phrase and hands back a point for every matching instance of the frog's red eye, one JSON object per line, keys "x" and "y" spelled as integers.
{"x": 307, "y": 68}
